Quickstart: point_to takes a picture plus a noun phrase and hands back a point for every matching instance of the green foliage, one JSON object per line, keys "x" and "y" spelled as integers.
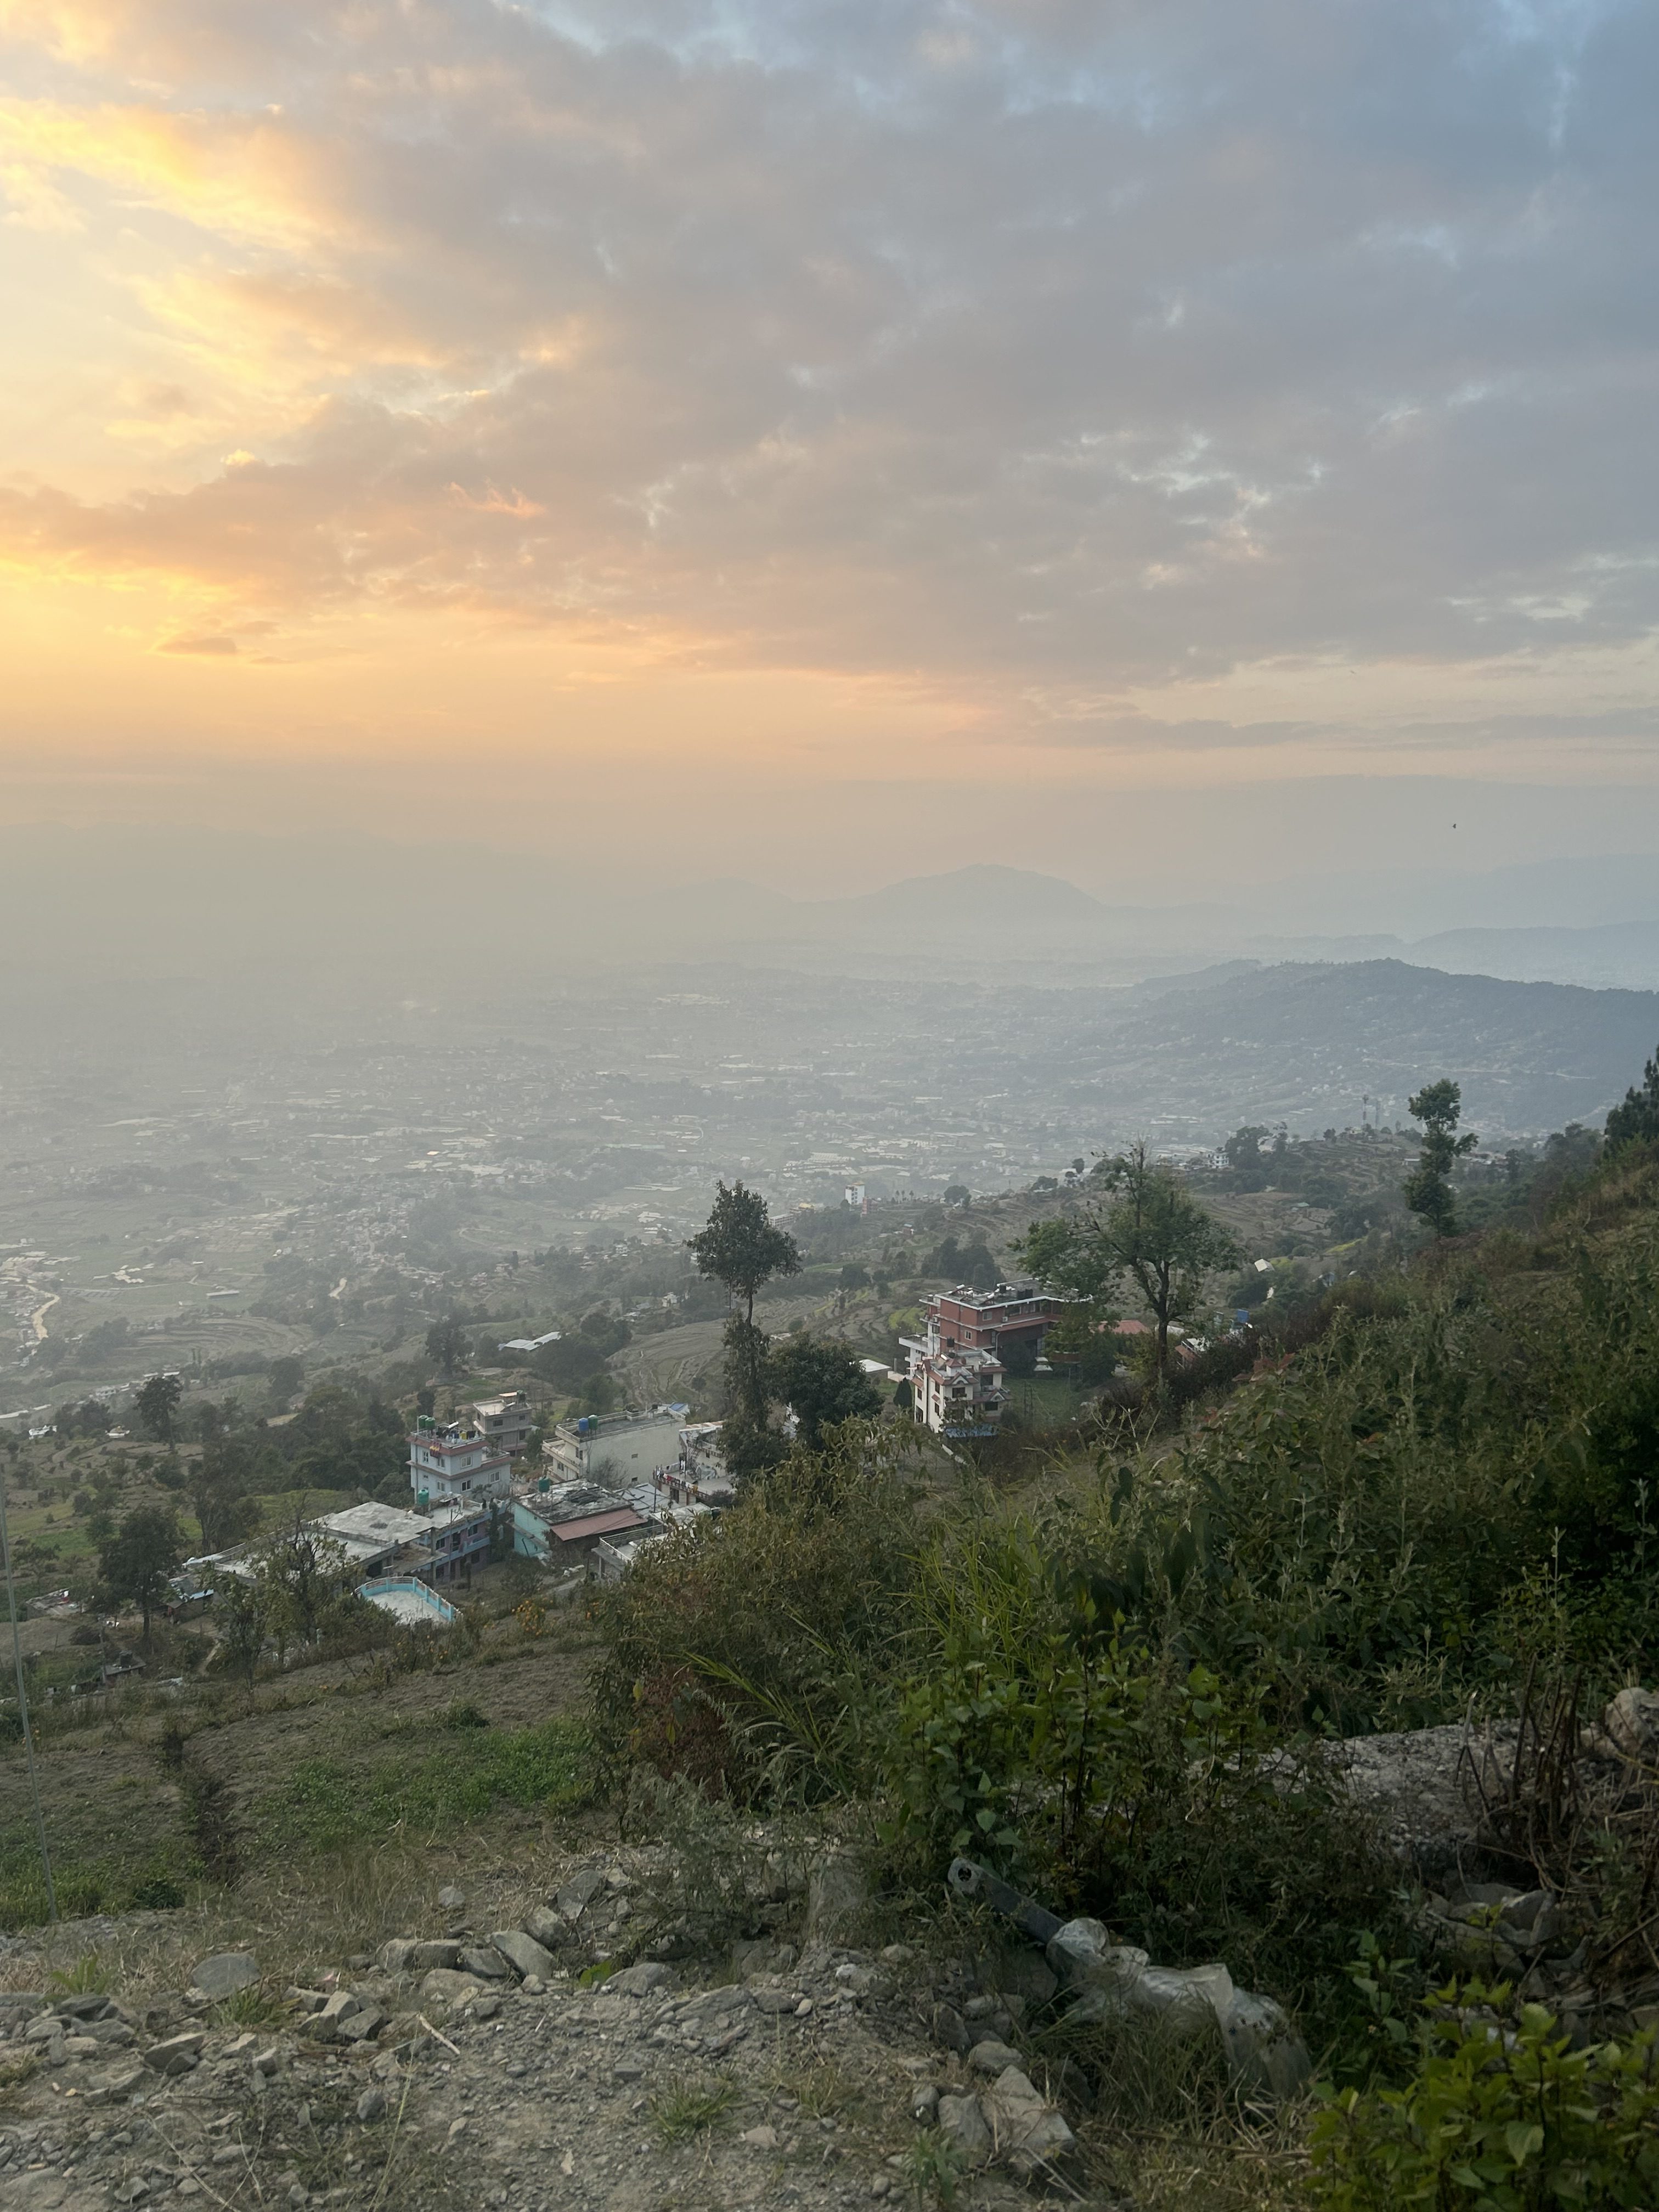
{"x": 1155, "y": 1238}
{"x": 137, "y": 1560}
{"x": 157, "y": 1404}
{"x": 686, "y": 2109}
{"x": 326, "y": 1804}
{"x": 821, "y": 1380}
{"x": 1428, "y": 1188}
{"x": 741, "y": 1247}
{"x": 1500, "y": 2114}
{"x": 1635, "y": 1120}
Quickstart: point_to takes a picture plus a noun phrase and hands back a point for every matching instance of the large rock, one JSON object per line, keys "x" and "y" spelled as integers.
{"x": 224, "y": 1973}
{"x": 523, "y": 1952}
{"x": 1632, "y": 1724}
{"x": 837, "y": 1896}
{"x": 409, "y": 1955}
{"x": 640, "y": 1981}
{"x": 963, "y": 2127}
{"x": 1420, "y": 1785}
{"x": 577, "y": 1892}
{"x": 1027, "y": 2133}
{"x": 991, "y": 2057}
{"x": 177, "y": 2055}
{"x": 483, "y": 1961}
{"x": 545, "y": 1926}
{"x": 1266, "y": 2057}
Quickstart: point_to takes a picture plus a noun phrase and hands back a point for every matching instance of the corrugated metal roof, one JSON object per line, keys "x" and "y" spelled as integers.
{"x": 596, "y": 1524}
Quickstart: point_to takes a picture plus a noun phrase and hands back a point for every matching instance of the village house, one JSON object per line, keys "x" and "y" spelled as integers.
{"x": 504, "y": 1422}
{"x": 958, "y": 1370}
{"x": 455, "y": 1463}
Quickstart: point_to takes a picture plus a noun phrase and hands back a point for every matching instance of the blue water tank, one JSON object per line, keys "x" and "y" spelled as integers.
{"x": 583, "y": 1426}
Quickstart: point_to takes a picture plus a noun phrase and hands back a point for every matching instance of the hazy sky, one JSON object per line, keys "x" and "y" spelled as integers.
{"x": 687, "y": 411}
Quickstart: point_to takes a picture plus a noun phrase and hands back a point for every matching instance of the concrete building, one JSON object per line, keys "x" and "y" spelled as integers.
{"x": 550, "y": 1527}
{"x": 956, "y": 1370}
{"x": 956, "y": 1394}
{"x": 455, "y": 1464}
{"x": 436, "y": 1546}
{"x": 504, "y": 1422}
{"x": 990, "y": 1320}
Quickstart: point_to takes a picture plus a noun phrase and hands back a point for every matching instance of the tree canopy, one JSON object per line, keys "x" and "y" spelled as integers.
{"x": 1428, "y": 1191}
{"x": 137, "y": 1560}
{"x": 1153, "y": 1235}
{"x": 1635, "y": 1120}
{"x": 820, "y": 1379}
{"x": 741, "y": 1246}
{"x": 157, "y": 1403}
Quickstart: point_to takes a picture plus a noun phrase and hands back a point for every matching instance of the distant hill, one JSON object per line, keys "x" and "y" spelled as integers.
{"x": 1304, "y": 1043}
{"x": 1624, "y": 954}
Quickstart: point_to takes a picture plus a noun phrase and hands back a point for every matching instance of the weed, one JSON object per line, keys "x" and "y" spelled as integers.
{"x": 252, "y": 2007}
{"x": 685, "y": 2109}
{"x": 87, "y": 1977}
{"x": 460, "y": 1714}
{"x": 933, "y": 2168}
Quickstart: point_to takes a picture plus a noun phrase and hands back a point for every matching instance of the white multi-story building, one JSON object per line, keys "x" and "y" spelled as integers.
{"x": 505, "y": 1422}
{"x": 955, "y": 1390}
{"x": 456, "y": 1463}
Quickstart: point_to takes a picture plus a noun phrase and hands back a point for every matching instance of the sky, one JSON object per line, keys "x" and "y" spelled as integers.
{"x": 873, "y": 437}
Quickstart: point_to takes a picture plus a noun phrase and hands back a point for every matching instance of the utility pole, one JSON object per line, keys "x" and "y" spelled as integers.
{"x": 23, "y": 1705}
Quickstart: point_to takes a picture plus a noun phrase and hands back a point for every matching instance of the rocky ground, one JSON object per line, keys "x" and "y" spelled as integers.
{"x": 487, "y": 2065}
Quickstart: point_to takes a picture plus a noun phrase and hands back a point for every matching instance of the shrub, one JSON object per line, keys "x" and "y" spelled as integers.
{"x": 1501, "y": 2115}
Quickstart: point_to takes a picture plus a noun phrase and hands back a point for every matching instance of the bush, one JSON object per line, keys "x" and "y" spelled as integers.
{"x": 1501, "y": 2115}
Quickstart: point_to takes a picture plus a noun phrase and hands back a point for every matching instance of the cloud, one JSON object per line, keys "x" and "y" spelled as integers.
{"x": 1013, "y": 349}
{"x": 212, "y": 646}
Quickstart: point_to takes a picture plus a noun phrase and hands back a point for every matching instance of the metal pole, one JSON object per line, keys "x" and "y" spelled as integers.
{"x": 23, "y": 1705}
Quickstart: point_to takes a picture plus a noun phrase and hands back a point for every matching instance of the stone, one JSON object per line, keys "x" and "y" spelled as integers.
{"x": 451, "y": 1899}
{"x": 545, "y": 1926}
{"x": 1423, "y": 1788}
{"x": 924, "y": 2105}
{"x": 578, "y": 1892}
{"x": 1023, "y": 1974}
{"x": 443, "y": 1986}
{"x": 991, "y": 2057}
{"x": 484, "y": 2007}
{"x": 523, "y": 1952}
{"x": 265, "y": 2061}
{"x": 90, "y": 2005}
{"x": 837, "y": 1896}
{"x": 961, "y": 2123}
{"x": 950, "y": 2028}
{"x": 224, "y": 1973}
{"x": 113, "y": 2034}
{"x": 1632, "y": 1724}
{"x": 641, "y": 1980}
{"x": 371, "y": 2106}
{"x": 362, "y": 2026}
{"x": 1265, "y": 2054}
{"x": 1027, "y": 2133}
{"x": 760, "y": 2138}
{"x": 42, "y": 2030}
{"x": 484, "y": 1963}
{"x": 115, "y": 2083}
{"x": 177, "y": 2055}
{"x": 423, "y": 1957}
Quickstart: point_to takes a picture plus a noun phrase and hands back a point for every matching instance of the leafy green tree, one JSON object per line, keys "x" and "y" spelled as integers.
{"x": 1635, "y": 1120}
{"x": 216, "y": 1484}
{"x": 303, "y": 1570}
{"x": 239, "y": 1611}
{"x": 446, "y": 1345}
{"x": 958, "y": 1194}
{"x": 1427, "y": 1188}
{"x": 741, "y": 1246}
{"x": 157, "y": 1404}
{"x": 1153, "y": 1235}
{"x": 821, "y": 1380}
{"x": 287, "y": 1372}
{"x": 137, "y": 1560}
